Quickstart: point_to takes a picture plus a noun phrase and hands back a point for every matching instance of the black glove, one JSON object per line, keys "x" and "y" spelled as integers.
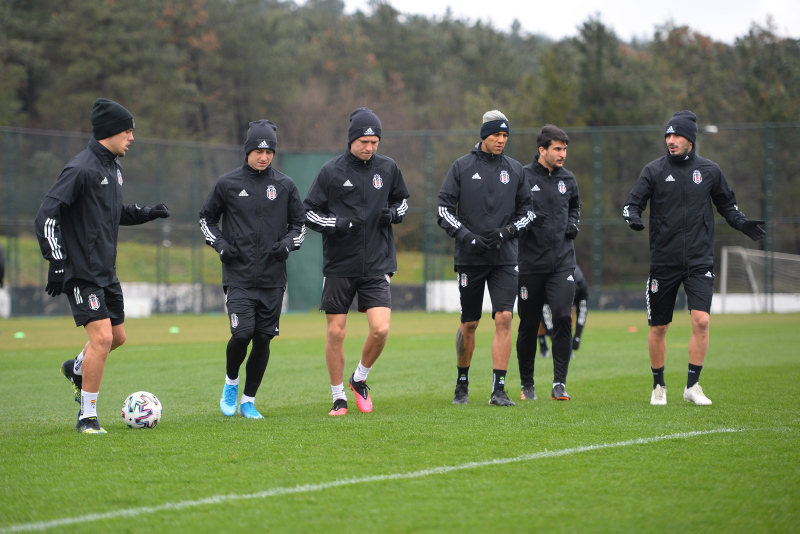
{"x": 55, "y": 279}
{"x": 228, "y": 253}
{"x": 280, "y": 251}
{"x": 349, "y": 225}
{"x": 386, "y": 218}
{"x": 572, "y": 231}
{"x": 477, "y": 244}
{"x": 751, "y": 229}
{"x": 496, "y": 236}
{"x": 576, "y": 342}
{"x": 635, "y": 223}
{"x": 539, "y": 219}
{"x": 159, "y": 211}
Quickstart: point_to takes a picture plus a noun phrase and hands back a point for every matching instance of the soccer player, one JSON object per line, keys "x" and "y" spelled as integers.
{"x": 679, "y": 186}
{"x": 547, "y": 260}
{"x": 579, "y": 305}
{"x": 77, "y": 227}
{"x": 484, "y": 204}
{"x": 262, "y": 222}
{"x": 354, "y": 201}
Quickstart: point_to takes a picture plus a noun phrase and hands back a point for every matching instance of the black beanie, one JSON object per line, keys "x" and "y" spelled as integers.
{"x": 683, "y": 123}
{"x": 363, "y": 122}
{"x": 494, "y": 121}
{"x": 109, "y": 118}
{"x": 261, "y": 134}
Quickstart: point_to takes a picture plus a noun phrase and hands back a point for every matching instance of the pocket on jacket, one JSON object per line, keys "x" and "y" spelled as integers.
{"x": 91, "y": 259}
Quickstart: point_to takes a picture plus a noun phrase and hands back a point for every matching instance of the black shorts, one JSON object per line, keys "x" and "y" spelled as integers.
{"x": 502, "y": 283}
{"x": 338, "y": 293}
{"x": 662, "y": 290}
{"x": 90, "y": 302}
{"x": 254, "y": 309}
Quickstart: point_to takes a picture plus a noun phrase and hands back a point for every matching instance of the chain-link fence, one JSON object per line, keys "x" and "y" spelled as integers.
{"x": 759, "y": 160}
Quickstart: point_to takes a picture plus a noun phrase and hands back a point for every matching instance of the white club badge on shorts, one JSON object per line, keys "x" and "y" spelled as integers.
{"x": 562, "y": 187}
{"x": 94, "y": 303}
{"x": 377, "y": 181}
{"x": 463, "y": 279}
{"x": 654, "y": 286}
{"x": 234, "y": 320}
{"x": 523, "y": 293}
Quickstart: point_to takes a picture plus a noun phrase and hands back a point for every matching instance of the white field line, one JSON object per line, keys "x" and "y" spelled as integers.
{"x": 219, "y": 499}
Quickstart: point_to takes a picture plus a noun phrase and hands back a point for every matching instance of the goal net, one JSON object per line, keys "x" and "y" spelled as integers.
{"x": 753, "y": 281}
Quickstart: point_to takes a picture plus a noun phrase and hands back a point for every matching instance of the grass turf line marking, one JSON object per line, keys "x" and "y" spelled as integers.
{"x": 133, "y": 512}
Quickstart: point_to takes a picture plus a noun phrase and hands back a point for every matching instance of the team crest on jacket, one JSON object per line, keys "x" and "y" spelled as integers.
{"x": 562, "y": 187}
{"x": 523, "y": 293}
{"x": 234, "y": 320}
{"x": 504, "y": 177}
{"x": 654, "y": 286}
{"x": 697, "y": 177}
{"x": 94, "y": 304}
{"x": 377, "y": 181}
{"x": 462, "y": 279}
{"x": 272, "y": 193}
{"x": 119, "y": 176}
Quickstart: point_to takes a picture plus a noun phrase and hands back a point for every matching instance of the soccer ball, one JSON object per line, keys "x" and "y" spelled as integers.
{"x": 141, "y": 410}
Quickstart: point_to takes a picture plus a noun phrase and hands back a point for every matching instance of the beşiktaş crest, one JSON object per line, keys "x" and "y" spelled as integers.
{"x": 562, "y": 187}
{"x": 697, "y": 177}
{"x": 94, "y": 304}
{"x": 119, "y": 176}
{"x": 272, "y": 193}
{"x": 654, "y": 286}
{"x": 462, "y": 278}
{"x": 504, "y": 177}
{"x": 377, "y": 181}
{"x": 523, "y": 293}
{"x": 234, "y": 320}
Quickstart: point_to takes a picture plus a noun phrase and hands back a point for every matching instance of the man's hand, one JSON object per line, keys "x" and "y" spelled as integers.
{"x": 386, "y": 217}
{"x": 751, "y": 229}
{"x": 159, "y": 211}
{"x": 349, "y": 225}
{"x": 55, "y": 279}
{"x": 495, "y": 236}
{"x": 635, "y": 223}
{"x": 477, "y": 244}
{"x": 228, "y": 253}
{"x": 279, "y": 251}
{"x": 572, "y": 231}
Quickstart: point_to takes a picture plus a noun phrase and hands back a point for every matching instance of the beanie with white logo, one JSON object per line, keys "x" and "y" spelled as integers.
{"x": 494, "y": 122}
{"x": 683, "y": 123}
{"x": 261, "y": 134}
{"x": 363, "y": 122}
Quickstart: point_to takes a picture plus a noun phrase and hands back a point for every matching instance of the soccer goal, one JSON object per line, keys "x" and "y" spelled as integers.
{"x": 752, "y": 281}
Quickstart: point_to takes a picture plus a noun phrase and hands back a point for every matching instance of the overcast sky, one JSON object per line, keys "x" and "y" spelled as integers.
{"x": 723, "y": 20}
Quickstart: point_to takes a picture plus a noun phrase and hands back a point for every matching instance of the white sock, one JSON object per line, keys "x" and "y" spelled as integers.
{"x": 338, "y": 392}
{"x": 559, "y": 383}
{"x": 76, "y": 367}
{"x": 230, "y": 382}
{"x": 361, "y": 373}
{"x": 88, "y": 405}
{"x": 245, "y": 398}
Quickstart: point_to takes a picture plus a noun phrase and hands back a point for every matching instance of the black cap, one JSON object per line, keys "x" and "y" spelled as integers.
{"x": 363, "y": 122}
{"x": 261, "y": 134}
{"x": 683, "y": 123}
{"x": 109, "y": 118}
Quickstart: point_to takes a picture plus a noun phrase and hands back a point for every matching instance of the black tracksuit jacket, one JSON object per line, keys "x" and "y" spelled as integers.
{"x": 78, "y": 222}
{"x": 346, "y": 187}
{"x": 483, "y": 191}
{"x": 556, "y": 199}
{"x": 258, "y": 209}
{"x": 681, "y": 216}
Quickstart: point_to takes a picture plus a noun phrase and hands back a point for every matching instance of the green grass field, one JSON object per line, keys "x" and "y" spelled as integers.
{"x": 605, "y": 461}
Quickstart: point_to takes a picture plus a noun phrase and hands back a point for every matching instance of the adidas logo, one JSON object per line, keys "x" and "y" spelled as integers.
{"x": 105, "y": 181}
{"x": 369, "y": 131}
{"x": 347, "y": 184}
{"x": 535, "y": 188}
{"x": 670, "y": 130}
{"x": 670, "y": 178}
{"x": 263, "y": 144}
{"x": 570, "y": 278}
{"x": 473, "y": 241}
{"x": 243, "y": 193}
{"x": 504, "y": 125}
{"x": 476, "y": 176}
{"x": 709, "y": 275}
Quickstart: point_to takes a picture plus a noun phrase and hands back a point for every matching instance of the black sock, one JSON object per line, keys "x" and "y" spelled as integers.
{"x": 658, "y": 377}
{"x": 499, "y": 379}
{"x": 694, "y": 375}
{"x": 463, "y": 376}
{"x": 543, "y": 343}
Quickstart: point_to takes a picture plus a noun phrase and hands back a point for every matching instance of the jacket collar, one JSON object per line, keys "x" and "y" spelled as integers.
{"x": 486, "y": 155}
{"x": 538, "y": 168}
{"x": 102, "y": 153}
{"x": 357, "y": 162}
{"x": 250, "y": 171}
{"x": 683, "y": 160}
